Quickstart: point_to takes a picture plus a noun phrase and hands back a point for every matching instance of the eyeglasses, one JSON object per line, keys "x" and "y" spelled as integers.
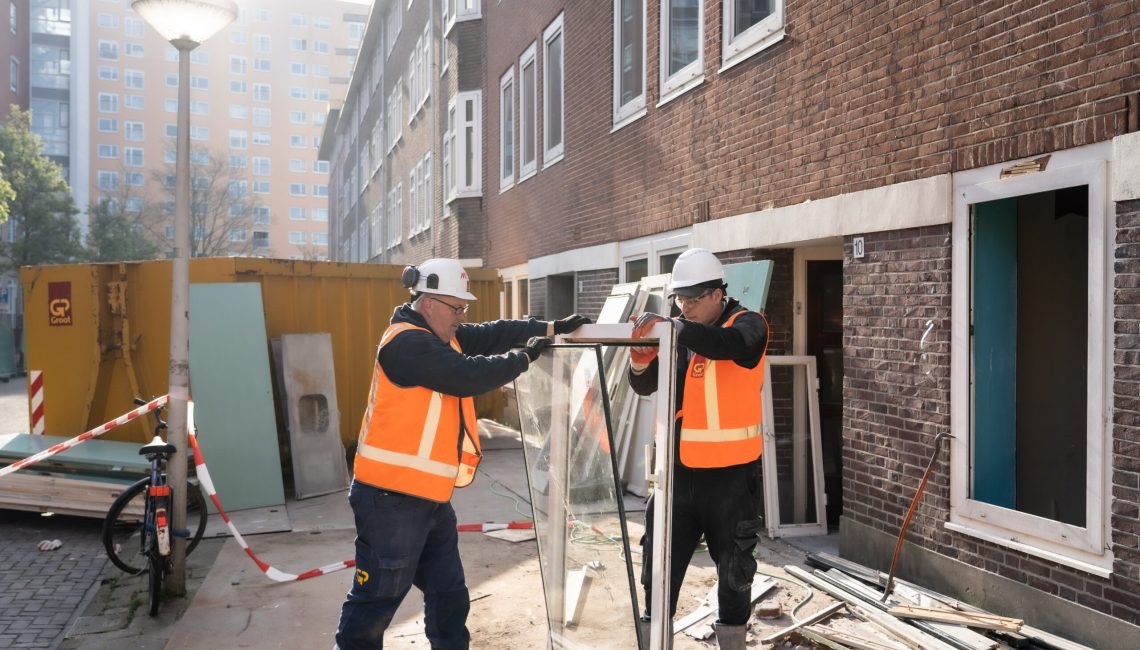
{"x": 458, "y": 310}
{"x": 687, "y": 301}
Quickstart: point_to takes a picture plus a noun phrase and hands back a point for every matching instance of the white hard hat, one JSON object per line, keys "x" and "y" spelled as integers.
{"x": 694, "y": 271}
{"x": 443, "y": 277}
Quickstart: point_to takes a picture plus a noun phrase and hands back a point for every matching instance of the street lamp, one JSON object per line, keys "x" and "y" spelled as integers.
{"x": 185, "y": 24}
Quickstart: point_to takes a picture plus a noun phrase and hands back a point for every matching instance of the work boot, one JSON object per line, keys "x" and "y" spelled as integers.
{"x": 730, "y": 637}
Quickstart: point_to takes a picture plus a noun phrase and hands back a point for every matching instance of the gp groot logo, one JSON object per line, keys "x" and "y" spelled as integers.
{"x": 59, "y": 303}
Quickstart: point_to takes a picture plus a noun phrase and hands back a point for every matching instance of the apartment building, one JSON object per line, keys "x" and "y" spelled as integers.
{"x": 405, "y": 140}
{"x": 104, "y": 99}
{"x": 14, "y": 51}
{"x": 948, "y": 194}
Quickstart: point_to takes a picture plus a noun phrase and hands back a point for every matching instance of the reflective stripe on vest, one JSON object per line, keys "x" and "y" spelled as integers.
{"x": 408, "y": 438}
{"x": 722, "y": 411}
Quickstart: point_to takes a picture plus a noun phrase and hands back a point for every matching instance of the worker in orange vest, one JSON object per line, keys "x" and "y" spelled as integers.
{"x": 418, "y": 442}
{"x": 716, "y": 478}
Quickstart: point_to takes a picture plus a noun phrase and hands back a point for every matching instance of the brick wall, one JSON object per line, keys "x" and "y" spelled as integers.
{"x": 896, "y": 399}
{"x": 857, "y": 95}
{"x": 1124, "y": 592}
{"x": 593, "y": 289}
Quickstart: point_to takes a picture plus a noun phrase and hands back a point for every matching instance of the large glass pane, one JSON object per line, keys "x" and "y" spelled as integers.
{"x": 632, "y": 39}
{"x": 795, "y": 463}
{"x": 553, "y": 73}
{"x": 748, "y": 13}
{"x": 583, "y": 544}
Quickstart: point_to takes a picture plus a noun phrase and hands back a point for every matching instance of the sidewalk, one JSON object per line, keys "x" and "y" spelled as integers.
{"x": 231, "y": 604}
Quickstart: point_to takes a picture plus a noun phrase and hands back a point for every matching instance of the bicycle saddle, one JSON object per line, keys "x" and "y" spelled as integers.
{"x": 157, "y": 446}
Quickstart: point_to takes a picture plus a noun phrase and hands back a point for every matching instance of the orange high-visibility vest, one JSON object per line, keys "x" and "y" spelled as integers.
{"x": 408, "y": 440}
{"x": 722, "y": 411}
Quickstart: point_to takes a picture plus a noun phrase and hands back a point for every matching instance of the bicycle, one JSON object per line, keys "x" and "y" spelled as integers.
{"x": 137, "y": 532}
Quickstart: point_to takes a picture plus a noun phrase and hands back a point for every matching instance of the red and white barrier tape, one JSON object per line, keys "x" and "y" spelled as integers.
{"x": 486, "y": 528}
{"x": 208, "y": 484}
{"x": 36, "y": 398}
{"x": 83, "y": 437}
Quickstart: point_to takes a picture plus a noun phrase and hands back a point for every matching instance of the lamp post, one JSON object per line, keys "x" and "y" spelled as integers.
{"x": 185, "y": 24}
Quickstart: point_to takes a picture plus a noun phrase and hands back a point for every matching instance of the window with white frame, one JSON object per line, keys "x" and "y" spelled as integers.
{"x": 239, "y": 86}
{"x": 414, "y": 225}
{"x": 109, "y": 50}
{"x": 261, "y": 187}
{"x": 507, "y": 130}
{"x": 133, "y": 156}
{"x": 320, "y": 214}
{"x": 108, "y": 125}
{"x": 261, "y": 166}
{"x": 237, "y": 234}
{"x": 468, "y": 9}
{"x": 199, "y": 83}
{"x": 297, "y": 237}
{"x": 262, "y": 117}
{"x": 528, "y": 113}
{"x": 448, "y": 16}
{"x": 296, "y": 213}
{"x": 262, "y": 65}
{"x": 682, "y": 57}
{"x": 393, "y": 24}
{"x": 135, "y": 179}
{"x": 296, "y": 165}
{"x": 134, "y": 27}
{"x": 629, "y": 60}
{"x": 414, "y": 79}
{"x": 136, "y": 50}
{"x": 395, "y": 212}
{"x": 111, "y": 73}
{"x": 172, "y": 80}
{"x": 14, "y": 74}
{"x": 262, "y": 43}
{"x": 238, "y": 139}
{"x": 395, "y": 121}
{"x": 12, "y": 16}
{"x": 376, "y": 232}
{"x": 239, "y": 112}
{"x": 237, "y": 162}
{"x": 199, "y": 108}
{"x": 133, "y": 79}
{"x": 108, "y": 151}
{"x": 261, "y": 138}
{"x": 465, "y": 140}
{"x": 261, "y": 215}
{"x": 133, "y": 131}
{"x": 1030, "y": 405}
{"x": 137, "y": 102}
{"x": 108, "y": 181}
{"x": 748, "y": 27}
{"x": 553, "y": 110}
{"x": 296, "y": 189}
{"x": 377, "y": 143}
{"x": 108, "y": 103}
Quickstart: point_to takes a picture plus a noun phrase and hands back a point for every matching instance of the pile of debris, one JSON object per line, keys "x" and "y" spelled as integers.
{"x": 907, "y": 617}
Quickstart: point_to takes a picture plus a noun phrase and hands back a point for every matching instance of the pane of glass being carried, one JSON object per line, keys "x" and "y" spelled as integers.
{"x": 583, "y": 544}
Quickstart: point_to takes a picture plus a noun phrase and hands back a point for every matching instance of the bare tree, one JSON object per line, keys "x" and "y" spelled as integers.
{"x": 117, "y": 222}
{"x": 222, "y": 207}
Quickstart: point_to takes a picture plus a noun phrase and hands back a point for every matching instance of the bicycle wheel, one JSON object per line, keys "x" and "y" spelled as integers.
{"x": 156, "y": 567}
{"x": 123, "y": 526}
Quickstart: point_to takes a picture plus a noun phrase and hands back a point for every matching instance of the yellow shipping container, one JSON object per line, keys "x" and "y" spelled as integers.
{"x": 101, "y": 332}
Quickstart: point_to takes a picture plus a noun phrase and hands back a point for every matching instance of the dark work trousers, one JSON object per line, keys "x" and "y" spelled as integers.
{"x": 721, "y": 503}
{"x": 402, "y": 541}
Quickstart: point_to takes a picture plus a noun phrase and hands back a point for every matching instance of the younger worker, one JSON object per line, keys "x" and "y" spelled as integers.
{"x": 719, "y": 374}
{"x": 418, "y": 441}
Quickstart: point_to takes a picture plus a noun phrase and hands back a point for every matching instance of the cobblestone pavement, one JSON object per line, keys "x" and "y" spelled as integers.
{"x": 42, "y": 591}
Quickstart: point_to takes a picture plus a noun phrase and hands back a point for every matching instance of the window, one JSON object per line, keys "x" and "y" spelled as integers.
{"x": 298, "y": 44}
{"x": 395, "y": 213}
{"x": 262, "y": 65}
{"x": 108, "y": 181}
{"x": 237, "y": 139}
{"x": 135, "y": 179}
{"x": 14, "y": 71}
{"x": 749, "y": 26}
{"x": 262, "y": 117}
{"x": 298, "y": 117}
{"x": 507, "y": 130}
{"x": 136, "y": 102}
{"x": 629, "y": 60}
{"x": 320, "y": 71}
{"x": 199, "y": 133}
{"x": 261, "y": 187}
{"x": 414, "y": 226}
{"x": 199, "y": 157}
{"x": 108, "y": 21}
{"x": 134, "y": 27}
{"x": 320, "y": 190}
{"x": 238, "y": 37}
{"x": 133, "y": 131}
{"x": 321, "y": 238}
{"x": 297, "y": 141}
{"x": 263, "y": 15}
{"x": 108, "y": 73}
{"x": 260, "y": 215}
{"x": 12, "y": 17}
{"x": 262, "y": 43}
{"x": 239, "y": 65}
{"x": 261, "y": 166}
{"x": 109, "y": 50}
{"x": 237, "y": 162}
{"x": 393, "y": 24}
{"x": 552, "y": 107}
{"x": 108, "y": 103}
{"x": 296, "y": 237}
{"x": 321, "y": 22}
{"x": 199, "y": 57}
{"x": 296, "y": 189}
{"x": 320, "y": 214}
{"x": 1030, "y": 404}
{"x": 321, "y": 94}
{"x": 108, "y": 151}
{"x": 261, "y": 138}
{"x": 297, "y": 68}
{"x": 134, "y": 50}
{"x": 237, "y": 235}
{"x": 298, "y": 92}
{"x": 468, "y": 9}
{"x": 171, "y": 105}
{"x": 528, "y": 123}
{"x": 168, "y": 231}
{"x": 320, "y": 167}
{"x": 321, "y": 47}
{"x": 133, "y": 79}
{"x": 172, "y": 80}
{"x": 171, "y": 132}
{"x": 463, "y": 146}
{"x": 108, "y": 125}
{"x": 260, "y": 239}
{"x": 200, "y": 108}
{"x": 239, "y": 112}
{"x": 262, "y": 92}
{"x": 682, "y": 59}
{"x": 239, "y": 86}
{"x": 296, "y": 165}
{"x": 133, "y": 157}
{"x": 394, "y": 124}
{"x": 296, "y": 214}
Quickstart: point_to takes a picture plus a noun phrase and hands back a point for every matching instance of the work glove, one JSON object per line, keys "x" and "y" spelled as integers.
{"x": 570, "y": 323}
{"x": 535, "y": 345}
{"x": 641, "y": 357}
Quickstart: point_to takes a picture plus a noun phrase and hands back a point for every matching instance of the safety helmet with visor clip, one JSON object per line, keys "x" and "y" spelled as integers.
{"x": 695, "y": 272}
{"x": 442, "y": 277}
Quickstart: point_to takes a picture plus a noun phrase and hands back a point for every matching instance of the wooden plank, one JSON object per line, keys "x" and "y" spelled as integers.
{"x": 814, "y": 618}
{"x": 847, "y": 639}
{"x": 759, "y": 588}
{"x": 970, "y": 619}
{"x": 62, "y": 494}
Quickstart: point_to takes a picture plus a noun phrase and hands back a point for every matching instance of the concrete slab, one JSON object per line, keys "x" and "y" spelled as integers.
{"x": 254, "y": 521}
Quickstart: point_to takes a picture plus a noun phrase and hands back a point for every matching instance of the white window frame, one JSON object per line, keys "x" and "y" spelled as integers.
{"x": 460, "y": 154}
{"x": 468, "y": 10}
{"x": 634, "y": 108}
{"x": 528, "y": 123}
{"x": 551, "y": 155}
{"x": 689, "y": 77}
{"x": 506, "y": 84}
{"x": 395, "y": 216}
{"x": 1084, "y": 548}
{"x": 764, "y": 34}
